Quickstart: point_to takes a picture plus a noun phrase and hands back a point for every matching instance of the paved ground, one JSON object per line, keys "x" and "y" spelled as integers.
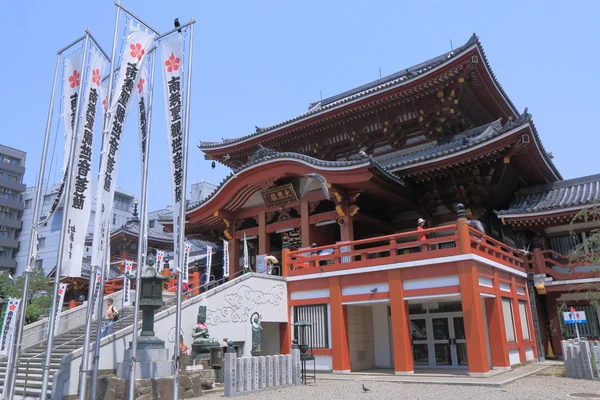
{"x": 542, "y": 386}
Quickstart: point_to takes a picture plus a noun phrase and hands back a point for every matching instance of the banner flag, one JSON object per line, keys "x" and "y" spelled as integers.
{"x": 99, "y": 298}
{"x": 96, "y": 292}
{"x": 225, "y": 259}
{"x": 136, "y": 48}
{"x": 160, "y": 258}
{"x": 246, "y": 261}
{"x": 8, "y": 325}
{"x": 58, "y": 304}
{"x": 172, "y": 55}
{"x": 186, "y": 264}
{"x": 142, "y": 87}
{"x": 71, "y": 82}
{"x": 127, "y": 283}
{"x": 208, "y": 262}
{"x": 80, "y": 207}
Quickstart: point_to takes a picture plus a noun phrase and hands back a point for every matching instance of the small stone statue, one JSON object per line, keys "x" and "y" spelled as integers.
{"x": 255, "y": 321}
{"x": 202, "y": 340}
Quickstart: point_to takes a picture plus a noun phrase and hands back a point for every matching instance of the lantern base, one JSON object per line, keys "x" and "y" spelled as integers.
{"x": 151, "y": 363}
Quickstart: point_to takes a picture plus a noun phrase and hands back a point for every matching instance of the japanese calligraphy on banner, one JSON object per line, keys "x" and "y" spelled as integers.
{"x": 71, "y": 82}
{"x": 96, "y": 292}
{"x": 279, "y": 195}
{"x": 127, "y": 283}
{"x": 78, "y": 213}
{"x": 8, "y": 325}
{"x": 246, "y": 260}
{"x": 58, "y": 302}
{"x": 160, "y": 258}
{"x": 225, "y": 259}
{"x": 208, "y": 262}
{"x": 172, "y": 56}
{"x": 186, "y": 264}
{"x": 135, "y": 51}
{"x": 142, "y": 87}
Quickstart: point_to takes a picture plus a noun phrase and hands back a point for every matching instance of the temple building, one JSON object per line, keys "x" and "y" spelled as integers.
{"x": 336, "y": 194}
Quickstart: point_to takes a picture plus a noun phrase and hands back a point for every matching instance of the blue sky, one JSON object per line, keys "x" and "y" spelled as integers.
{"x": 260, "y": 62}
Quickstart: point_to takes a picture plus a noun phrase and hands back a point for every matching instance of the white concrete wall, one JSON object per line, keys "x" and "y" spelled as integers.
{"x": 270, "y": 345}
{"x": 381, "y": 336}
{"x": 360, "y": 338}
{"x": 229, "y": 308}
{"x": 529, "y": 354}
{"x": 322, "y": 363}
{"x": 513, "y": 356}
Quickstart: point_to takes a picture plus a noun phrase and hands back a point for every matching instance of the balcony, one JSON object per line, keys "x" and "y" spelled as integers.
{"x": 443, "y": 244}
{"x": 10, "y": 223}
{"x": 10, "y": 203}
{"x": 12, "y": 243}
{"x": 557, "y": 266}
{"x": 13, "y": 168}
{"x": 13, "y": 185}
{"x": 8, "y": 263}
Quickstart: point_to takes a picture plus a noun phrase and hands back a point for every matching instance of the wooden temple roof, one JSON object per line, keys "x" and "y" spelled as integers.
{"x": 416, "y": 76}
{"x": 86, "y": 268}
{"x": 558, "y": 199}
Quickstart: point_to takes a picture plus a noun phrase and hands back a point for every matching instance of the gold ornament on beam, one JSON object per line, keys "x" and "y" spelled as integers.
{"x": 340, "y": 211}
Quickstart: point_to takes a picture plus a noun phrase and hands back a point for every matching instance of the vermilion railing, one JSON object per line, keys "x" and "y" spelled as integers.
{"x": 401, "y": 247}
{"x": 488, "y": 247}
{"x": 559, "y": 266}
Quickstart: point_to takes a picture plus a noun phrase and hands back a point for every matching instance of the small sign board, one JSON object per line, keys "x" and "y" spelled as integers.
{"x": 279, "y": 195}
{"x": 574, "y": 317}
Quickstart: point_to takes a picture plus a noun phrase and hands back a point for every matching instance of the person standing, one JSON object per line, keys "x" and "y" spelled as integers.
{"x": 112, "y": 316}
{"x": 421, "y": 235}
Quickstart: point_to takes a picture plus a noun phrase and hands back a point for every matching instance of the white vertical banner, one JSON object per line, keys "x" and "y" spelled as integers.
{"x": 58, "y": 303}
{"x": 142, "y": 88}
{"x": 137, "y": 44}
{"x": 78, "y": 213}
{"x": 71, "y": 81}
{"x": 172, "y": 56}
{"x": 8, "y": 325}
{"x": 160, "y": 260}
{"x": 208, "y": 262}
{"x": 246, "y": 260}
{"x": 186, "y": 264}
{"x": 225, "y": 259}
{"x": 127, "y": 283}
{"x": 96, "y": 297}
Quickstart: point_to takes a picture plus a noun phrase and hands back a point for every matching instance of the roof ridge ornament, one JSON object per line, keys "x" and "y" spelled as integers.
{"x": 262, "y": 152}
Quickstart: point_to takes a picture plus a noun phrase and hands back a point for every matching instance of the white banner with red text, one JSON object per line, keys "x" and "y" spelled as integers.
{"x": 127, "y": 283}
{"x": 58, "y": 303}
{"x": 225, "y": 259}
{"x": 209, "y": 253}
{"x": 8, "y": 325}
{"x": 160, "y": 260}
{"x": 186, "y": 264}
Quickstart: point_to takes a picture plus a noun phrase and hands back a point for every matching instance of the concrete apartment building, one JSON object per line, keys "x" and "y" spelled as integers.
{"x": 12, "y": 169}
{"x": 50, "y": 233}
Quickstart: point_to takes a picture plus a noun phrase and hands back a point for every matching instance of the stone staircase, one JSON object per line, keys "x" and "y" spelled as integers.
{"x": 29, "y": 376}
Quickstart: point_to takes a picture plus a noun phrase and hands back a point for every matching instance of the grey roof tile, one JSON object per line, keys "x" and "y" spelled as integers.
{"x": 578, "y": 192}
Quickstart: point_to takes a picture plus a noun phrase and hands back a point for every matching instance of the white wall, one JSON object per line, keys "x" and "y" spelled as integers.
{"x": 270, "y": 345}
{"x": 381, "y": 335}
{"x": 229, "y": 308}
{"x": 513, "y": 356}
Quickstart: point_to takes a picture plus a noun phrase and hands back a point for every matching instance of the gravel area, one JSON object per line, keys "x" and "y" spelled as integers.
{"x": 533, "y": 387}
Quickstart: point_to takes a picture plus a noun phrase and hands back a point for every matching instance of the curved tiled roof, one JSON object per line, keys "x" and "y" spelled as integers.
{"x": 372, "y": 87}
{"x": 571, "y": 193}
{"x": 132, "y": 227}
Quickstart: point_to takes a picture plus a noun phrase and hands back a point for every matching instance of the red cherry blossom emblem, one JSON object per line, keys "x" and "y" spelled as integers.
{"x": 104, "y": 104}
{"x": 96, "y": 77}
{"x": 12, "y": 307}
{"x": 140, "y": 85}
{"x": 74, "y": 79}
{"x": 172, "y": 63}
{"x": 136, "y": 51}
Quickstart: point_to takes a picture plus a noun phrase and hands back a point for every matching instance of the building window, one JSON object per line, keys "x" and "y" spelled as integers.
{"x": 28, "y": 203}
{"x": 6, "y": 214}
{"x": 3, "y": 254}
{"x": 318, "y": 333}
{"x": 38, "y": 263}
{"x": 49, "y": 199}
{"x": 509, "y": 321}
{"x": 590, "y": 329}
{"x": 41, "y": 243}
{"x": 114, "y": 219}
{"x": 151, "y": 223}
{"x": 4, "y": 234}
{"x": 56, "y": 223}
{"x": 524, "y": 320}
{"x": 122, "y": 203}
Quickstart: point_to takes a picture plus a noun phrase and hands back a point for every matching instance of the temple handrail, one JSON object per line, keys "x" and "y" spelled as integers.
{"x": 482, "y": 240}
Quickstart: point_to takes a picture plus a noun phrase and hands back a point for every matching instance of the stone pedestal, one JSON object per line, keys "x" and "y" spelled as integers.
{"x": 152, "y": 363}
{"x": 113, "y": 388}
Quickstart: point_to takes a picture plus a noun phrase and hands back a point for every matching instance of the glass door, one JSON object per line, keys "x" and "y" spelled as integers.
{"x": 442, "y": 341}
{"x": 420, "y": 343}
{"x": 459, "y": 343}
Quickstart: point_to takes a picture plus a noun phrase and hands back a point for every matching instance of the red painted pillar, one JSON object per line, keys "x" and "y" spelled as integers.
{"x": 339, "y": 334}
{"x": 305, "y": 224}
{"x": 517, "y": 317}
{"x": 496, "y": 331}
{"x": 403, "y": 356}
{"x": 468, "y": 277}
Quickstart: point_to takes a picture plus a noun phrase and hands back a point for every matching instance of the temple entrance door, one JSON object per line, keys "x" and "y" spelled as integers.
{"x": 438, "y": 340}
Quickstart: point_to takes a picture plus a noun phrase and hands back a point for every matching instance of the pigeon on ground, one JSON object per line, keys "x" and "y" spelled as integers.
{"x": 177, "y": 24}
{"x": 366, "y": 389}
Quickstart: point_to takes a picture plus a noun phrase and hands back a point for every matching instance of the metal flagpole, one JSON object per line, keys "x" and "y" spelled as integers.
{"x": 100, "y": 296}
{"x": 182, "y": 210}
{"x": 15, "y": 354}
{"x": 142, "y": 238}
{"x": 63, "y": 236}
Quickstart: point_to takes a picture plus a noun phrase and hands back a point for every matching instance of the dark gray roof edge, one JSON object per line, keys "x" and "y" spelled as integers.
{"x": 379, "y": 84}
{"x": 558, "y": 185}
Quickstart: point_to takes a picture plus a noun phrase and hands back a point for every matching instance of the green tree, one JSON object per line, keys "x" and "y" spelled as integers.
{"x": 39, "y": 295}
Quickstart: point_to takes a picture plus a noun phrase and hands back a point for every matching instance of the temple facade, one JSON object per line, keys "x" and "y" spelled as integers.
{"x": 337, "y": 195}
